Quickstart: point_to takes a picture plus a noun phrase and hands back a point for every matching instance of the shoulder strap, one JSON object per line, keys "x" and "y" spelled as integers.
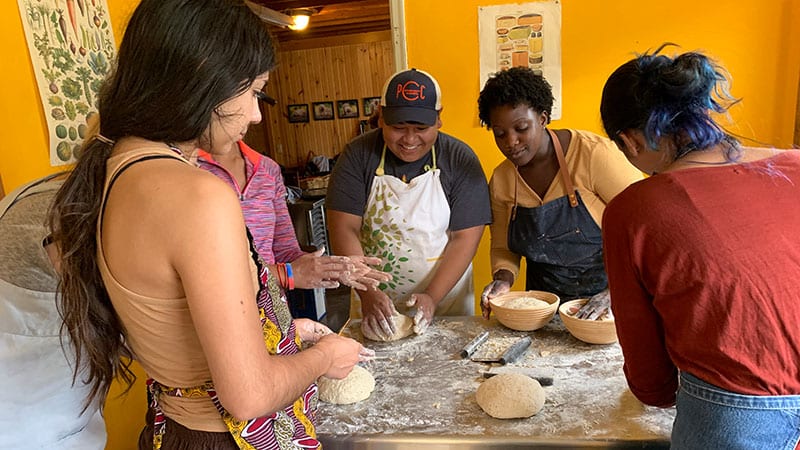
{"x": 562, "y": 168}
{"x": 30, "y": 188}
{"x": 119, "y": 172}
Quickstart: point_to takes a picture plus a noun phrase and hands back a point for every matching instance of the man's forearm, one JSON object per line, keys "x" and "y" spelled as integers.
{"x": 345, "y": 232}
{"x": 457, "y": 256}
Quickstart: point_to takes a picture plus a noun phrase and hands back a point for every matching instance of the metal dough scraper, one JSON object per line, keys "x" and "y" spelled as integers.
{"x": 544, "y": 378}
{"x": 509, "y": 355}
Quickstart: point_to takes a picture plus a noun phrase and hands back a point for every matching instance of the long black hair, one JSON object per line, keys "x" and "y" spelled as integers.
{"x": 178, "y": 61}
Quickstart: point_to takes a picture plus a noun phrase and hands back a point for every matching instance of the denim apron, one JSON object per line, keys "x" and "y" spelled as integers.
{"x": 711, "y": 418}
{"x": 560, "y": 242}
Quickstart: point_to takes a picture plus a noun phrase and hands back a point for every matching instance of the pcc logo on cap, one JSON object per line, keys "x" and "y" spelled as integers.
{"x": 410, "y": 91}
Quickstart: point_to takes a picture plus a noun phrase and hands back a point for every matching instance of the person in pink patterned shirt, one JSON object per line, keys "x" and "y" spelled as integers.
{"x": 262, "y": 194}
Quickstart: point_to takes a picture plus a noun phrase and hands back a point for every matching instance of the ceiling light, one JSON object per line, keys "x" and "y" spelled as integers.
{"x": 300, "y": 17}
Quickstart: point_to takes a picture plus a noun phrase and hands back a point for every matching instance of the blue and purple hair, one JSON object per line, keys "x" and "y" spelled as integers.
{"x": 666, "y": 97}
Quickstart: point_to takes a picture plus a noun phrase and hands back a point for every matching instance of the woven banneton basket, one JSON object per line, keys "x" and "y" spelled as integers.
{"x": 589, "y": 331}
{"x": 525, "y": 319}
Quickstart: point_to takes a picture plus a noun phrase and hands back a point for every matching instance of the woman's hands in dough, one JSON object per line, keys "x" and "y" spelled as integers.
{"x": 492, "y": 290}
{"x": 344, "y": 353}
{"x": 310, "y": 331}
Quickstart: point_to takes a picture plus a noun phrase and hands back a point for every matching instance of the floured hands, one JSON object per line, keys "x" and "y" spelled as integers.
{"x": 363, "y": 275}
{"x": 366, "y": 354}
{"x": 491, "y": 291}
{"x": 343, "y": 352}
{"x": 598, "y": 305}
{"x": 377, "y": 310}
{"x": 313, "y": 270}
{"x": 310, "y": 331}
{"x": 425, "y": 310}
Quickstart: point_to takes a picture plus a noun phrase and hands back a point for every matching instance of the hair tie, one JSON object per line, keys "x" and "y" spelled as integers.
{"x": 104, "y": 139}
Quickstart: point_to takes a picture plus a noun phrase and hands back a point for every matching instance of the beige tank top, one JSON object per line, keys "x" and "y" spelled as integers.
{"x": 160, "y": 331}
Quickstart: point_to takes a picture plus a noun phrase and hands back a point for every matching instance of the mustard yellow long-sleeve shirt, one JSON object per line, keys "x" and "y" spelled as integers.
{"x": 599, "y": 171}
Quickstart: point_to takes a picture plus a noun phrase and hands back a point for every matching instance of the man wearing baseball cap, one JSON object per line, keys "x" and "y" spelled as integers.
{"x": 418, "y": 199}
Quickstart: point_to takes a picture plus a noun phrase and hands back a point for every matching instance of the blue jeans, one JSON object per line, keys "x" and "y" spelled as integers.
{"x": 711, "y": 418}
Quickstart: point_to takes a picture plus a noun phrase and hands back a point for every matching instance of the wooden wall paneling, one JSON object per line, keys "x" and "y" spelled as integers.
{"x": 331, "y": 73}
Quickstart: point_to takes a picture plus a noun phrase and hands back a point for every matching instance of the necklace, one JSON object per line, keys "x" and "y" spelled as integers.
{"x": 191, "y": 160}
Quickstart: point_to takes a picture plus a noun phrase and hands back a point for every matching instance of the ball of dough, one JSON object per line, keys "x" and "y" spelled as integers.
{"x": 510, "y": 396}
{"x": 356, "y": 386}
{"x": 403, "y": 325}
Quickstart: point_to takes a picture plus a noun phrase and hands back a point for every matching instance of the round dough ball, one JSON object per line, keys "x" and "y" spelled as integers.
{"x": 356, "y": 386}
{"x": 403, "y": 325}
{"x": 510, "y": 396}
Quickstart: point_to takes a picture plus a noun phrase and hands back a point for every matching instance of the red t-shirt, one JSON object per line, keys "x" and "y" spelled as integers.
{"x": 704, "y": 270}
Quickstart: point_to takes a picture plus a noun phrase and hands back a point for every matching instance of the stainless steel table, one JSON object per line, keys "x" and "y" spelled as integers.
{"x": 425, "y": 396}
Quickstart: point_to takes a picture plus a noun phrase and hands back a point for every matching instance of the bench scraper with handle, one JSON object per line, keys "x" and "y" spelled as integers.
{"x": 544, "y": 378}
{"x": 511, "y": 354}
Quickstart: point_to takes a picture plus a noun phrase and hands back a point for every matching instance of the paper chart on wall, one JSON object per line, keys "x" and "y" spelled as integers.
{"x": 522, "y": 35}
{"x": 71, "y": 45}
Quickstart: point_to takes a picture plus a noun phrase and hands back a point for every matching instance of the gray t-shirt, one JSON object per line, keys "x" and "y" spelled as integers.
{"x": 462, "y": 177}
{"x": 23, "y": 261}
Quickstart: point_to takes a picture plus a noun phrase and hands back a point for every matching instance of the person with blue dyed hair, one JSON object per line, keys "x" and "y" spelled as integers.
{"x": 703, "y": 259}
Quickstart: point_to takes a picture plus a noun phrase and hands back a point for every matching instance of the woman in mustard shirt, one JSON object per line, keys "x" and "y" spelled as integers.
{"x": 548, "y": 196}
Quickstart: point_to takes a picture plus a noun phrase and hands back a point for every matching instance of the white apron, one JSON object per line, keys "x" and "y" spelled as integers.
{"x": 406, "y": 225}
{"x": 41, "y": 408}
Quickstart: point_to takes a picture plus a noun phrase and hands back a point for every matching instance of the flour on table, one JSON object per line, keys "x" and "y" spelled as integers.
{"x": 510, "y": 396}
{"x": 404, "y": 326}
{"x": 356, "y": 386}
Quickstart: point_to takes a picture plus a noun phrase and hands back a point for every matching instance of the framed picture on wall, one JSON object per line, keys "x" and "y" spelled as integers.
{"x": 347, "y": 108}
{"x": 370, "y": 105}
{"x": 323, "y": 110}
{"x": 298, "y": 113}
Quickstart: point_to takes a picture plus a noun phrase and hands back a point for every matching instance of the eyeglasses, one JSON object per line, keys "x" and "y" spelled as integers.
{"x": 266, "y": 98}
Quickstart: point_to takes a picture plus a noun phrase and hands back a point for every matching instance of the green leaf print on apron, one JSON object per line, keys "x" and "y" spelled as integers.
{"x": 406, "y": 225}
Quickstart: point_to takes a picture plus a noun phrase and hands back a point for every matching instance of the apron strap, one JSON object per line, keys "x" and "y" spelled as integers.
{"x": 562, "y": 168}
{"x": 433, "y": 153}
{"x": 380, "y": 171}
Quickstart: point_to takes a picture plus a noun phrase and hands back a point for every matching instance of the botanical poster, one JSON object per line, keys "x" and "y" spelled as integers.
{"x": 71, "y": 45}
{"x": 522, "y": 35}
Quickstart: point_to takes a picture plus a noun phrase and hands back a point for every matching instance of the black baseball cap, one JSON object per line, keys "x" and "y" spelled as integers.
{"x": 411, "y": 96}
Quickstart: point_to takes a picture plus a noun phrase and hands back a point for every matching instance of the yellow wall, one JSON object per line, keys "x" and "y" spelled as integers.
{"x": 24, "y": 156}
{"x": 442, "y": 38}
{"x": 753, "y": 39}
{"x": 24, "y": 149}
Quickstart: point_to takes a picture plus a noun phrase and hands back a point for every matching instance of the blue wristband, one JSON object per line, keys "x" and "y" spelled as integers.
{"x": 289, "y": 275}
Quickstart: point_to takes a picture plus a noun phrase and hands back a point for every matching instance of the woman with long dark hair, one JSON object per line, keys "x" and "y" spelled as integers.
{"x": 157, "y": 264}
{"x": 703, "y": 259}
